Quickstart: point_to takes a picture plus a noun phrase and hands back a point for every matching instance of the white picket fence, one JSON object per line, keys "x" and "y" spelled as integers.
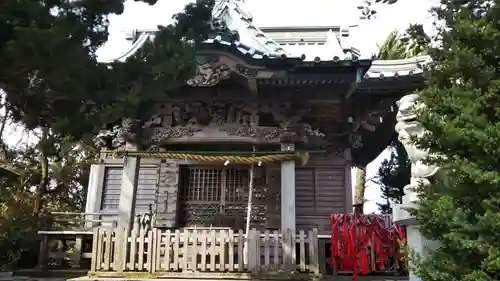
{"x": 204, "y": 250}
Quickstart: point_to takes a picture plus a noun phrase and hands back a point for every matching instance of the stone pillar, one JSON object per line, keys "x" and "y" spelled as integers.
{"x": 407, "y": 127}
{"x": 288, "y": 191}
{"x": 128, "y": 190}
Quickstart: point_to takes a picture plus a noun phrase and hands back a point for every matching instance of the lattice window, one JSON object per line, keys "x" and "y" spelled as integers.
{"x": 216, "y": 185}
{"x": 213, "y": 196}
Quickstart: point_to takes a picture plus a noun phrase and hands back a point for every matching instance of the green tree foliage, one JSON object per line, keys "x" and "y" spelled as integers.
{"x": 392, "y": 176}
{"x": 393, "y": 47}
{"x": 49, "y": 71}
{"x": 54, "y": 85}
{"x": 24, "y": 206}
{"x": 461, "y": 208}
{"x": 400, "y": 46}
{"x": 52, "y": 80}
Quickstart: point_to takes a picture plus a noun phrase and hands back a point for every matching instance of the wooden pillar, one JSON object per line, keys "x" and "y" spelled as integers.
{"x": 128, "y": 190}
{"x": 288, "y": 191}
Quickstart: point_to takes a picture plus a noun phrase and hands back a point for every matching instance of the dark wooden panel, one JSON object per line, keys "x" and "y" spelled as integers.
{"x": 273, "y": 200}
{"x": 320, "y": 191}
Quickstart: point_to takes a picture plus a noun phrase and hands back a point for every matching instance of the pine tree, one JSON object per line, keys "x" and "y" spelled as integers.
{"x": 392, "y": 176}
{"x": 53, "y": 82}
{"x": 50, "y": 74}
{"x": 461, "y": 207}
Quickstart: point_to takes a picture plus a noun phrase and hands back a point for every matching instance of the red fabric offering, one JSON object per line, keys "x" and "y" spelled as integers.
{"x": 355, "y": 236}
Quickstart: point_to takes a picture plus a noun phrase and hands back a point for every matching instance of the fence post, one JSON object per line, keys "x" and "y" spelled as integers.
{"x": 154, "y": 253}
{"x": 256, "y": 257}
{"x": 313, "y": 250}
{"x": 323, "y": 259}
{"x": 118, "y": 250}
{"x": 287, "y": 250}
{"x": 149, "y": 256}
{"x": 251, "y": 250}
{"x": 95, "y": 242}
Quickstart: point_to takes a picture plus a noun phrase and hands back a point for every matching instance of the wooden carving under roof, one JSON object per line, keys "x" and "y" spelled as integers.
{"x": 236, "y": 119}
{"x": 241, "y": 99}
{"x": 224, "y": 116}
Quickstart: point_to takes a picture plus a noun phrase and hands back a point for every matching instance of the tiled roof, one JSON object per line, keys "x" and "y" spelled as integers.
{"x": 253, "y": 43}
{"x": 326, "y": 51}
{"x": 237, "y": 18}
{"x": 394, "y": 68}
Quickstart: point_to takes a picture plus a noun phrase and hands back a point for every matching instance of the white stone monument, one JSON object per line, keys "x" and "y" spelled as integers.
{"x": 407, "y": 127}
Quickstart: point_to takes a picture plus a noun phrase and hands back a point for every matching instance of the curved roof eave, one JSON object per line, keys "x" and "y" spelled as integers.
{"x": 394, "y": 68}
{"x": 379, "y": 68}
{"x": 138, "y": 43}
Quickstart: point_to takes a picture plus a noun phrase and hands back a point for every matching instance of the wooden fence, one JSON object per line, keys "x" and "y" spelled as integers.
{"x": 202, "y": 250}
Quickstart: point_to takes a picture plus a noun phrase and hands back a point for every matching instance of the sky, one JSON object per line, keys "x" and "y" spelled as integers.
{"x": 366, "y": 36}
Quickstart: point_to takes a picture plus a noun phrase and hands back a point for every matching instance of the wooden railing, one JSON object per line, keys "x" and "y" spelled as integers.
{"x": 84, "y": 221}
{"x": 68, "y": 243}
{"x": 92, "y": 241}
{"x": 220, "y": 250}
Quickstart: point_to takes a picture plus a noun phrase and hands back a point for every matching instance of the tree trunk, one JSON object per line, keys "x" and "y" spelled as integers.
{"x": 3, "y": 147}
{"x": 4, "y": 122}
{"x": 44, "y": 173}
{"x": 359, "y": 190}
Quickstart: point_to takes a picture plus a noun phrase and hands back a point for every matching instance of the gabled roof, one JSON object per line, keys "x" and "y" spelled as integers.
{"x": 255, "y": 46}
{"x": 252, "y": 41}
{"x": 238, "y": 18}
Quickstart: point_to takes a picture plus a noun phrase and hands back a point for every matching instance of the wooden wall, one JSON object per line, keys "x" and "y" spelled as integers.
{"x": 146, "y": 189}
{"x": 320, "y": 191}
{"x": 111, "y": 189}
